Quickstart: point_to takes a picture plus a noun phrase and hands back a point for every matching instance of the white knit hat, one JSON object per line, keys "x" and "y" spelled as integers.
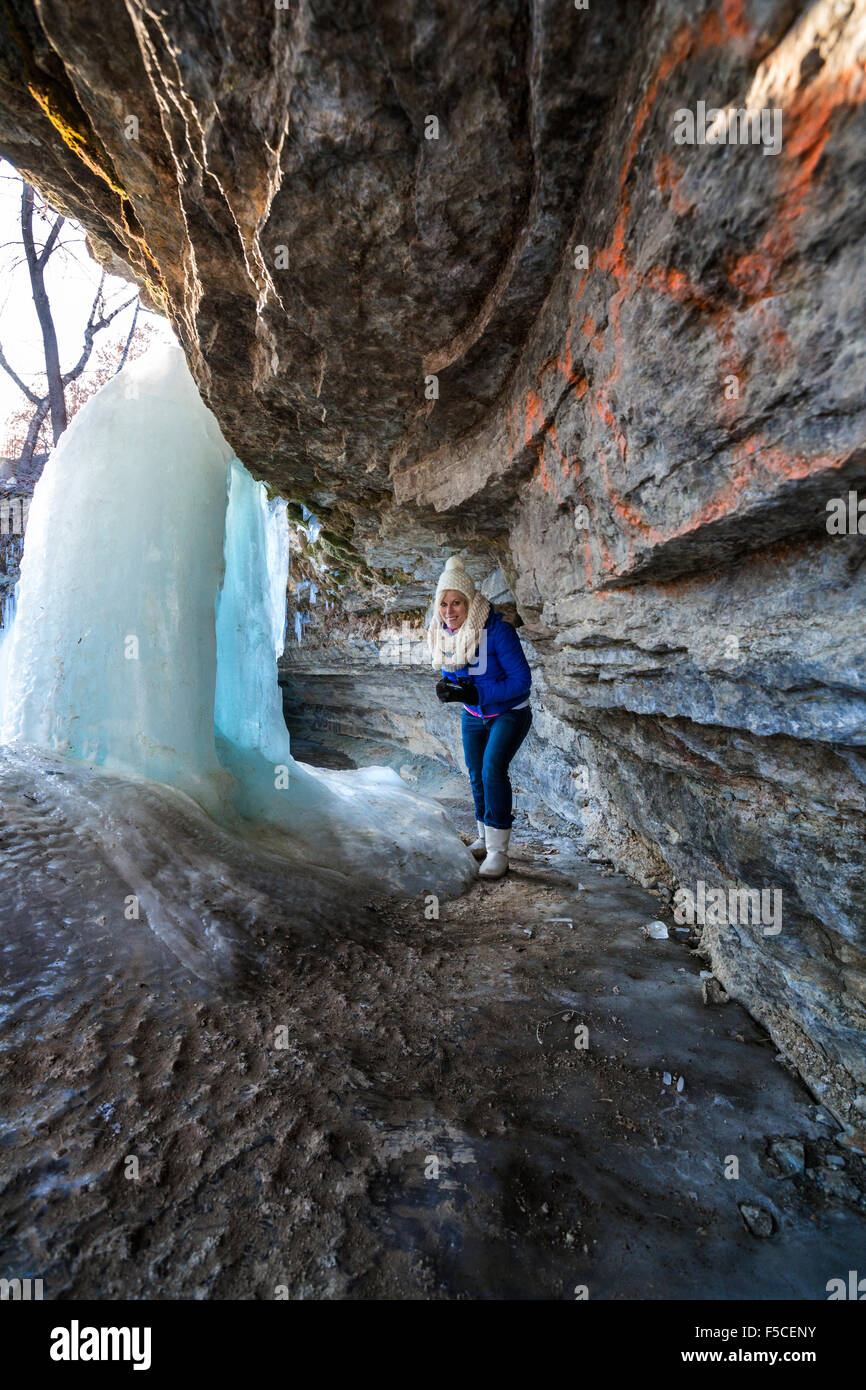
{"x": 454, "y": 576}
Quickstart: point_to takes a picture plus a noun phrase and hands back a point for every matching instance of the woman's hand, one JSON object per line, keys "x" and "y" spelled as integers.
{"x": 463, "y": 691}
{"x": 469, "y": 690}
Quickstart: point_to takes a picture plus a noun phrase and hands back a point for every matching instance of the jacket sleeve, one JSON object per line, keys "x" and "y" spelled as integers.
{"x": 517, "y": 679}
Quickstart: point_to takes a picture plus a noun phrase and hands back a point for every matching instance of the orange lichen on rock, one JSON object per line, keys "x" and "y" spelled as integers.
{"x": 667, "y": 176}
{"x": 752, "y": 273}
{"x": 809, "y": 118}
{"x": 808, "y": 123}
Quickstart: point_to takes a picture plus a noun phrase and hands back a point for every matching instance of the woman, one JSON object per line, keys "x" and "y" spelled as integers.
{"x": 483, "y": 666}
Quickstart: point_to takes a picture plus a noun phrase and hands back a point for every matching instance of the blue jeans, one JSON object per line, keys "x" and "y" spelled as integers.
{"x": 488, "y": 747}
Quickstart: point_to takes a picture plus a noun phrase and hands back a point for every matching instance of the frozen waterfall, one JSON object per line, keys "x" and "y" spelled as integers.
{"x": 150, "y": 614}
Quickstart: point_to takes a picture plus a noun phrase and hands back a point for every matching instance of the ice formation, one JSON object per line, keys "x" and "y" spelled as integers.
{"x": 5, "y": 643}
{"x": 151, "y": 610}
{"x": 112, "y": 653}
{"x": 311, "y": 525}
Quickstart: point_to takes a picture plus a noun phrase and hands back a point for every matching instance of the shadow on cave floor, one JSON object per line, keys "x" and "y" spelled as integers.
{"x": 409, "y": 1112}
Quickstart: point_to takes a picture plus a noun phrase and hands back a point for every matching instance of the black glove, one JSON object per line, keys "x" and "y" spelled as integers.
{"x": 469, "y": 689}
{"x": 447, "y": 691}
{"x": 465, "y": 691}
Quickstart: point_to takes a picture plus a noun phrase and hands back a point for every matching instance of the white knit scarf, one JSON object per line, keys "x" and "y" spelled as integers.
{"x": 452, "y": 650}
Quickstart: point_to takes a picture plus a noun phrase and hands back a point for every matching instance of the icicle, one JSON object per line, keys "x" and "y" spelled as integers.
{"x": 6, "y": 639}
{"x": 311, "y": 526}
{"x": 251, "y": 618}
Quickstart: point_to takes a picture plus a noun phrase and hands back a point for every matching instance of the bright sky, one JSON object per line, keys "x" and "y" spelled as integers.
{"x": 71, "y": 279}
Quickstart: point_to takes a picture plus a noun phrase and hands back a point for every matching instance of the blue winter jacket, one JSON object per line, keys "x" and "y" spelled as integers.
{"x": 507, "y": 679}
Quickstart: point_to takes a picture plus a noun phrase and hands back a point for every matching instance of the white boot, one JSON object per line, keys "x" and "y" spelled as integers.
{"x": 496, "y": 842}
{"x": 479, "y": 846}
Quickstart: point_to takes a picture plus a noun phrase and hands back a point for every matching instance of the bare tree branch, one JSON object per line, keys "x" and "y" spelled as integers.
{"x": 31, "y": 396}
{"x": 51, "y": 239}
{"x": 93, "y": 327}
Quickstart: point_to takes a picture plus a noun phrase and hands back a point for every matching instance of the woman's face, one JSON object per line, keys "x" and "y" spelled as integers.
{"x": 453, "y": 608}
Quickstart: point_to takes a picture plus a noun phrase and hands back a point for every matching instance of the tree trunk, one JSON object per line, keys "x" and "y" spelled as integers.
{"x": 35, "y": 264}
{"x": 33, "y": 432}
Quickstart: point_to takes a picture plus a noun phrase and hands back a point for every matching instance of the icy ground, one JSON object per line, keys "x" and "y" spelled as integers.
{"x": 332, "y": 1094}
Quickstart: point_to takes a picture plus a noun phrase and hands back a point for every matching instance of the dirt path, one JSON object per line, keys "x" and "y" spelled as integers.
{"x": 400, "y": 1110}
